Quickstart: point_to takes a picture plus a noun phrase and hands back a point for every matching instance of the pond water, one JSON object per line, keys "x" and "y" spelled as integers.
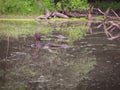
{"x": 79, "y": 61}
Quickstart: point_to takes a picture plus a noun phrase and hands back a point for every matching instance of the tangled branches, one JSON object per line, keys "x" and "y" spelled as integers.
{"x": 110, "y": 24}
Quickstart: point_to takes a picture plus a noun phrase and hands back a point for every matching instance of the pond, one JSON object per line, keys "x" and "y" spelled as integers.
{"x": 68, "y": 57}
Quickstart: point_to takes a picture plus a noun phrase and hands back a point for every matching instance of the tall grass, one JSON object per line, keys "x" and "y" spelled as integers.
{"x": 17, "y": 28}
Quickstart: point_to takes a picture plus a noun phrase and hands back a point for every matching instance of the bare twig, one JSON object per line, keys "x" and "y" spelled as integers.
{"x": 109, "y": 28}
{"x": 114, "y": 37}
{"x": 100, "y": 11}
{"x": 99, "y": 26}
{"x": 114, "y": 24}
{"x": 115, "y": 13}
{"x": 113, "y": 28}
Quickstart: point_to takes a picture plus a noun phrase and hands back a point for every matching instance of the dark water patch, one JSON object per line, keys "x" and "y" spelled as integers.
{"x": 92, "y": 63}
{"x": 106, "y": 73}
{"x": 5, "y": 46}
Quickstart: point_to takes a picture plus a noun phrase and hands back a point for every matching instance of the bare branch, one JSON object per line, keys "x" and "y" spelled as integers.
{"x": 109, "y": 28}
{"x": 115, "y": 13}
{"x": 114, "y": 24}
{"x": 108, "y": 34}
{"x": 114, "y": 37}
{"x": 98, "y": 10}
{"x": 112, "y": 29}
{"x": 101, "y": 11}
{"x": 99, "y": 25}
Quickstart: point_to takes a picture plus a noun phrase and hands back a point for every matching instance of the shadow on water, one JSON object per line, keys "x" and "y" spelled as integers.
{"x": 90, "y": 63}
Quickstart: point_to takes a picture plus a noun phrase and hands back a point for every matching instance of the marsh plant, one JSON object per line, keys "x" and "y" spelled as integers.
{"x": 73, "y": 31}
{"x": 18, "y": 28}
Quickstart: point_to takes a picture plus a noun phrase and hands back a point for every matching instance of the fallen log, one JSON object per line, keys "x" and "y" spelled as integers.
{"x": 58, "y": 14}
{"x": 48, "y": 15}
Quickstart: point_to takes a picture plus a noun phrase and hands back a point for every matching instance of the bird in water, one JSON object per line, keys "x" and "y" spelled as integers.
{"x": 38, "y": 37}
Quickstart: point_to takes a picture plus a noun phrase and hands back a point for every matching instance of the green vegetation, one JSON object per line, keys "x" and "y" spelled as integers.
{"x": 104, "y": 5}
{"x": 16, "y": 28}
{"x": 75, "y": 32}
{"x": 23, "y": 7}
{"x": 74, "y": 5}
{"x": 30, "y": 7}
{"x": 21, "y": 87}
{"x": 27, "y": 71}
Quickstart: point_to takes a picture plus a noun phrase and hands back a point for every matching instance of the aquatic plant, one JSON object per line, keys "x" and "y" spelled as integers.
{"x": 75, "y": 32}
{"x": 17, "y": 28}
{"x": 23, "y": 28}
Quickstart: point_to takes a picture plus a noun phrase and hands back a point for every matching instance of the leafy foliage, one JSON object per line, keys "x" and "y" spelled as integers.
{"x": 19, "y": 7}
{"x": 78, "y": 4}
{"x": 107, "y": 4}
{"x": 28, "y": 7}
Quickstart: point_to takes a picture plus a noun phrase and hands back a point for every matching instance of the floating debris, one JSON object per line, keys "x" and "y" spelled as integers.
{"x": 61, "y": 37}
{"x": 65, "y": 46}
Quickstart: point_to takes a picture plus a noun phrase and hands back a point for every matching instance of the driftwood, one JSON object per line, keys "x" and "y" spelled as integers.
{"x": 76, "y": 14}
{"x": 108, "y": 17}
{"x": 111, "y": 25}
{"x": 58, "y": 14}
{"x": 48, "y": 15}
{"x": 116, "y": 17}
{"x": 111, "y": 28}
{"x": 108, "y": 23}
